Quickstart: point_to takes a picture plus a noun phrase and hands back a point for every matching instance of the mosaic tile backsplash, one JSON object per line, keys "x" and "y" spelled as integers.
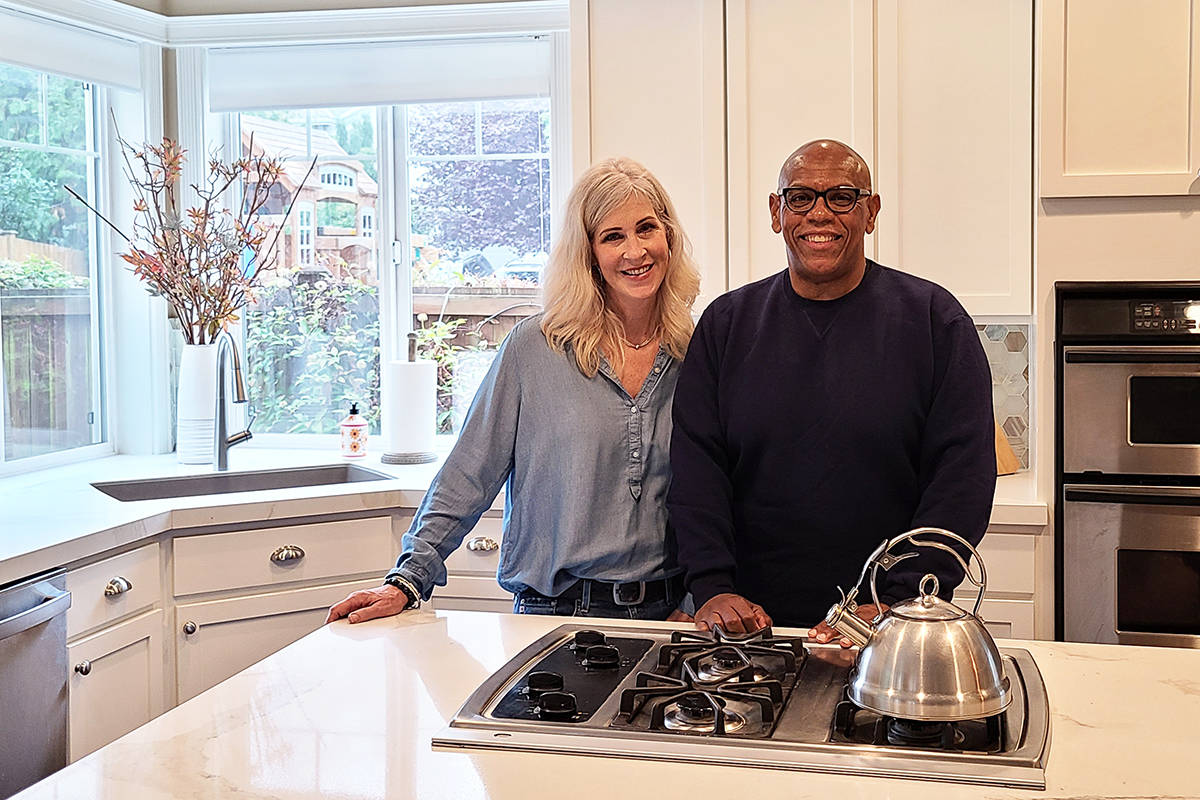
{"x": 1007, "y": 349}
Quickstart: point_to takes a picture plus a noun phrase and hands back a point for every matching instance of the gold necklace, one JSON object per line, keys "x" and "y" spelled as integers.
{"x": 630, "y": 344}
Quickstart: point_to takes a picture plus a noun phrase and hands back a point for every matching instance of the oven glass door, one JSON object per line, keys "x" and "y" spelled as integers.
{"x": 1131, "y": 410}
{"x": 1131, "y": 565}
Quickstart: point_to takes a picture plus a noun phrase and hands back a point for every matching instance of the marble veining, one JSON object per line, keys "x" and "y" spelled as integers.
{"x": 348, "y": 712}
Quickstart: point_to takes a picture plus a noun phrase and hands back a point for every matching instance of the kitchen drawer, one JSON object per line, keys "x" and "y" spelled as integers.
{"x": 219, "y": 561}
{"x": 479, "y": 553}
{"x": 1004, "y": 619}
{"x": 90, "y": 607}
{"x": 1009, "y": 558}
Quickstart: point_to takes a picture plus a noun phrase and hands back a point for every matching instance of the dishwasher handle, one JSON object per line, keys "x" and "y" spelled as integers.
{"x": 51, "y": 607}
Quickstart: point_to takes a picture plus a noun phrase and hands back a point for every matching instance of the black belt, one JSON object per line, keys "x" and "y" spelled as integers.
{"x": 632, "y": 593}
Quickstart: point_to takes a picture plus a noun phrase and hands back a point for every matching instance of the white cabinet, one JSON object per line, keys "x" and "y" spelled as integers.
{"x": 116, "y": 681}
{"x": 216, "y": 639}
{"x": 117, "y": 659}
{"x": 937, "y": 96}
{"x": 954, "y": 147}
{"x": 1008, "y": 608}
{"x": 1120, "y": 98}
{"x": 656, "y": 94}
{"x": 243, "y": 595}
{"x": 471, "y": 580}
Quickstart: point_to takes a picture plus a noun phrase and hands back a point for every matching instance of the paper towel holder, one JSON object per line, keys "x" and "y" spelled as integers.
{"x": 419, "y": 456}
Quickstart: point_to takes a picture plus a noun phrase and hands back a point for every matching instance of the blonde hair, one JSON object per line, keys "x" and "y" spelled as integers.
{"x": 576, "y": 310}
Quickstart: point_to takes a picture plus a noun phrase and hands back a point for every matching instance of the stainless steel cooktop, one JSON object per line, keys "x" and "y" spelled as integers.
{"x": 760, "y": 701}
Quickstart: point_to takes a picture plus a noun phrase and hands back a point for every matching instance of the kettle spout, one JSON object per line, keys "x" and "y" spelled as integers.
{"x": 849, "y": 624}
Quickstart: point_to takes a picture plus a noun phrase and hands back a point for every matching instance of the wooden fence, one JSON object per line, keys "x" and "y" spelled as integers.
{"x": 14, "y": 249}
{"x": 46, "y": 349}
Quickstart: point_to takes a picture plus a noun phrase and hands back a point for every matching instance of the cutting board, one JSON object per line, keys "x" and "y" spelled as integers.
{"x": 1006, "y": 460}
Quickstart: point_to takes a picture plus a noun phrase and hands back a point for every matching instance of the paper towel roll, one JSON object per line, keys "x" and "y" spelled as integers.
{"x": 409, "y": 417}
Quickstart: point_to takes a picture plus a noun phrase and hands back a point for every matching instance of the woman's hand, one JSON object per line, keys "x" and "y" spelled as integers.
{"x": 366, "y": 604}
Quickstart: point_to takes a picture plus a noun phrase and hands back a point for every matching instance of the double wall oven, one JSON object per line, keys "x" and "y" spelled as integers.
{"x": 1128, "y": 463}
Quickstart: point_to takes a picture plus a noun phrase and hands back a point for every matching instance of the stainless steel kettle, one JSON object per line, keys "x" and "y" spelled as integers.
{"x": 925, "y": 658}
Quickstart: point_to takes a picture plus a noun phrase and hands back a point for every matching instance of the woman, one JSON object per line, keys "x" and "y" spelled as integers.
{"x": 575, "y": 415}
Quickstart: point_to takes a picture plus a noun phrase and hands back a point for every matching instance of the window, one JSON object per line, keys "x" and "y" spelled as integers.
{"x": 312, "y": 335}
{"x": 368, "y": 223}
{"x": 50, "y": 381}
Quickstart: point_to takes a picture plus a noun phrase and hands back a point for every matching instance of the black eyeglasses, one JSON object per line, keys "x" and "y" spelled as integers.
{"x": 839, "y": 199}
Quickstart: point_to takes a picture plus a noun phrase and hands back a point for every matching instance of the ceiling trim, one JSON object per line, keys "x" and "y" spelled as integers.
{"x": 302, "y": 27}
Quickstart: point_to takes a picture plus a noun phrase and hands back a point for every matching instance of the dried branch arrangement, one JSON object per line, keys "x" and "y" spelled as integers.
{"x": 208, "y": 262}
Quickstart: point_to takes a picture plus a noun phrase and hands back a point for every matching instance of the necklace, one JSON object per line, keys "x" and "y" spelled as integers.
{"x": 640, "y": 345}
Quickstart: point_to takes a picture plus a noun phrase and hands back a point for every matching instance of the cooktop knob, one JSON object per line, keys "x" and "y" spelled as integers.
{"x": 602, "y": 656}
{"x": 556, "y": 705}
{"x": 540, "y": 682}
{"x": 585, "y": 639}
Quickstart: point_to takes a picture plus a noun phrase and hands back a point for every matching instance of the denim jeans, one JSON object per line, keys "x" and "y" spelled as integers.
{"x": 591, "y": 599}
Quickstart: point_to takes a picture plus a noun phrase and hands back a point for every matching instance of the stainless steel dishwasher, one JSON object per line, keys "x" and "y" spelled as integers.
{"x": 33, "y": 679}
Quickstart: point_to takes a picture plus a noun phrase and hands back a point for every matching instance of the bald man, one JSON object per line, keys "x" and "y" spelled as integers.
{"x": 821, "y": 410}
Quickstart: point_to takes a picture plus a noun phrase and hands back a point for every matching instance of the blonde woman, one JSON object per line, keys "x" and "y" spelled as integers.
{"x": 574, "y": 418}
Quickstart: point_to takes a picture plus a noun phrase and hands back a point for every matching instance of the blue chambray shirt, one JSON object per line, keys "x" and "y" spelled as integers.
{"x": 587, "y": 471}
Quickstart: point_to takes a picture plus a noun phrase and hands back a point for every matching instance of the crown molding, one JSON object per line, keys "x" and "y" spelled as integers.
{"x": 411, "y": 22}
{"x": 101, "y": 16}
{"x": 301, "y": 27}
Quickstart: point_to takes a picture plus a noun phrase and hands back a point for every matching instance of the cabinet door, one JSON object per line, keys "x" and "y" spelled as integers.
{"x": 796, "y": 70}
{"x": 1120, "y": 98}
{"x": 116, "y": 681}
{"x": 670, "y": 117}
{"x": 219, "y": 638}
{"x": 954, "y": 160}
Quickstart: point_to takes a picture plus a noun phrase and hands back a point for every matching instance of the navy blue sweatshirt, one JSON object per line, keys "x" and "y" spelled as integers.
{"x": 806, "y": 432}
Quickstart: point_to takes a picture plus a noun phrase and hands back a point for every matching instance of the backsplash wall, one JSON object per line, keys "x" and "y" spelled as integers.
{"x": 1007, "y": 349}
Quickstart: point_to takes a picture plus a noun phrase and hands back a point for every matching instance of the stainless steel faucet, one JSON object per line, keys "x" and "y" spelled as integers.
{"x": 222, "y": 441}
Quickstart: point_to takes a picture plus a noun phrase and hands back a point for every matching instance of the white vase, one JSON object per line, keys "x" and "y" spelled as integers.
{"x": 197, "y": 403}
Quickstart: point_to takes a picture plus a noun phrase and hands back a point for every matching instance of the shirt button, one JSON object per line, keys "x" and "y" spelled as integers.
{"x": 633, "y": 410}
{"x": 658, "y": 369}
{"x": 635, "y": 453}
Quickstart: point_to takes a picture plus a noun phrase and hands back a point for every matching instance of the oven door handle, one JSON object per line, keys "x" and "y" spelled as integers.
{"x": 1129, "y": 357}
{"x": 1135, "y": 495}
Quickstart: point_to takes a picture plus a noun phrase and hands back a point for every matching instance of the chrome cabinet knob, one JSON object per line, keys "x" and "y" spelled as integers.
{"x": 288, "y": 552}
{"x": 83, "y": 667}
{"x": 482, "y": 544}
{"x": 190, "y": 627}
{"x": 117, "y": 586}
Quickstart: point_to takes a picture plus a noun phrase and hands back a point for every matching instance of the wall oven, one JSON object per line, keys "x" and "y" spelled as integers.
{"x": 1128, "y": 463}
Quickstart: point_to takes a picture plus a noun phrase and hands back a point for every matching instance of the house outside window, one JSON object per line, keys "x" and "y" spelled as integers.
{"x": 50, "y": 381}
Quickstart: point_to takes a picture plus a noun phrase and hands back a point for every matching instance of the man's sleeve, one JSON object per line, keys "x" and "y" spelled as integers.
{"x": 470, "y": 479}
{"x": 700, "y": 498}
{"x": 958, "y": 462}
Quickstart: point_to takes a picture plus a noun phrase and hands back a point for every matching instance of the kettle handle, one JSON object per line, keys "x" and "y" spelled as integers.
{"x": 882, "y": 557}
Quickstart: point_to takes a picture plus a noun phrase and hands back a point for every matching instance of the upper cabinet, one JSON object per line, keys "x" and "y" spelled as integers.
{"x": 1120, "y": 98}
{"x": 937, "y": 95}
{"x": 655, "y": 93}
{"x": 954, "y": 147}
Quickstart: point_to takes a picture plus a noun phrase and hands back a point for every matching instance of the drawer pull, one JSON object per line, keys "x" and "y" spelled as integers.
{"x": 289, "y": 552}
{"x": 83, "y": 667}
{"x": 190, "y": 627}
{"x": 117, "y": 586}
{"x": 482, "y": 544}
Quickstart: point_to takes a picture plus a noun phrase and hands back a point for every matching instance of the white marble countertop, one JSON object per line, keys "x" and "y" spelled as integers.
{"x": 349, "y": 712}
{"x": 55, "y": 517}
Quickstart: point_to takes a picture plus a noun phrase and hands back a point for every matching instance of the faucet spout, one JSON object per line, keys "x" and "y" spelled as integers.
{"x": 222, "y": 441}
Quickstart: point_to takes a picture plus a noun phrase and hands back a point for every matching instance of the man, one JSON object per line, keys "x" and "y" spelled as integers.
{"x": 822, "y": 410}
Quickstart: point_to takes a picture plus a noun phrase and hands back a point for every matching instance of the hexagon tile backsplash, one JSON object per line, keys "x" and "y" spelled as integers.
{"x": 1007, "y": 349}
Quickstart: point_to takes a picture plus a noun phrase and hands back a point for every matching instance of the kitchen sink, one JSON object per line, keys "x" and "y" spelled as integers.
{"x": 228, "y": 482}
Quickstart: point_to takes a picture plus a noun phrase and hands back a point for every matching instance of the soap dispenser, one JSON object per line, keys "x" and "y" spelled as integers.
{"x": 354, "y": 434}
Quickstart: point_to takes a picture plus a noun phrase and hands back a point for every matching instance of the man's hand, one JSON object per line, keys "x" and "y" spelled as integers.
{"x": 679, "y": 616}
{"x": 734, "y": 613}
{"x": 369, "y": 604}
{"x": 823, "y": 633}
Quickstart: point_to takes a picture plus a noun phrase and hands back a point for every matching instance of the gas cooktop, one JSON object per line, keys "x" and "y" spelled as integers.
{"x": 757, "y": 701}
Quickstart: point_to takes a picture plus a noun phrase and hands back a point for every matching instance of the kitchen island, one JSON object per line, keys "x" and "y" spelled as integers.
{"x": 349, "y": 712}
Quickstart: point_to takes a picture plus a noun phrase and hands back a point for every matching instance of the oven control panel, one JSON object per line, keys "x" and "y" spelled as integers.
{"x": 1164, "y": 316}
